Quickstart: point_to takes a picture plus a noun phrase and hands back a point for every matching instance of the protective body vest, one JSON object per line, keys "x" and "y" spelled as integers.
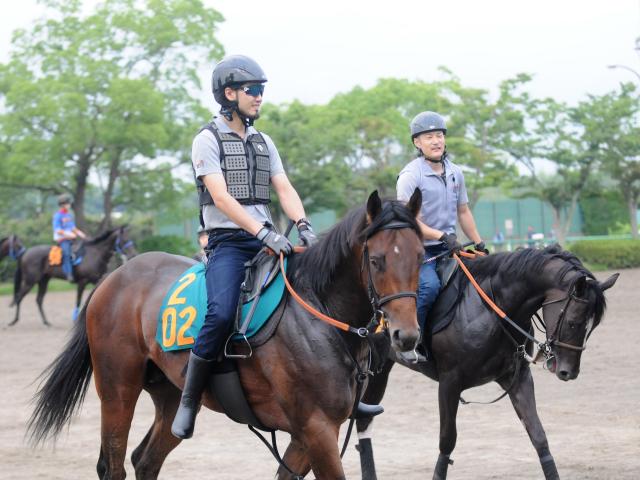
{"x": 246, "y": 168}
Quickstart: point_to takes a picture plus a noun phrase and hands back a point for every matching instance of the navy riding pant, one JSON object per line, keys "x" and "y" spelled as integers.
{"x": 67, "y": 268}
{"x": 228, "y": 252}
{"x": 428, "y": 284}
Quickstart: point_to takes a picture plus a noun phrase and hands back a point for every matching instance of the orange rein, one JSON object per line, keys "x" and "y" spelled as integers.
{"x": 331, "y": 321}
{"x": 484, "y": 296}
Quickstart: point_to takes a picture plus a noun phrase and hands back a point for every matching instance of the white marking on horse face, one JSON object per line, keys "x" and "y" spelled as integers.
{"x": 396, "y": 250}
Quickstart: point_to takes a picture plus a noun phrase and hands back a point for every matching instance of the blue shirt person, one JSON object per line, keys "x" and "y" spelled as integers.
{"x": 444, "y": 202}
{"x": 64, "y": 232}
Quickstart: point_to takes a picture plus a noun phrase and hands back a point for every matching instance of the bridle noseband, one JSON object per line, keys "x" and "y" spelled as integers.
{"x": 374, "y": 297}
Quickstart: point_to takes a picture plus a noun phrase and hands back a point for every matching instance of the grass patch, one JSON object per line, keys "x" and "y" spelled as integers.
{"x": 55, "y": 285}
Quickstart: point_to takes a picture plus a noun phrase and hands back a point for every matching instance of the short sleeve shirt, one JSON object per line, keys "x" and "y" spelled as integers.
{"x": 205, "y": 156}
{"x": 62, "y": 220}
{"x": 441, "y": 194}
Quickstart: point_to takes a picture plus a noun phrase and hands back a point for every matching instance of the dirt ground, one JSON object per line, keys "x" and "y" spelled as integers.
{"x": 593, "y": 423}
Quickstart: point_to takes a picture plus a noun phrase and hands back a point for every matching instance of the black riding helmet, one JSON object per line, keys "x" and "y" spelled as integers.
{"x": 234, "y": 71}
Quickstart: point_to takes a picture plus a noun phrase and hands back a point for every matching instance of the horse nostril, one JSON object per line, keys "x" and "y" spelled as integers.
{"x": 396, "y": 335}
{"x": 564, "y": 375}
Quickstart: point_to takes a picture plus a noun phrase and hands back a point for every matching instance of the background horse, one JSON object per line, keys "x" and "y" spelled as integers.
{"x": 478, "y": 347}
{"x": 33, "y": 267}
{"x": 302, "y": 380}
{"x": 11, "y": 247}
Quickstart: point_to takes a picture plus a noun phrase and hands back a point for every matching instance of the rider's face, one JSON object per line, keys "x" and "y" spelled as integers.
{"x": 248, "y": 104}
{"x": 431, "y": 144}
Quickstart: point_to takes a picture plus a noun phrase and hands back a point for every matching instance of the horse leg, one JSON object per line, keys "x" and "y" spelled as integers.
{"x": 373, "y": 395}
{"x": 42, "y": 290}
{"x": 448, "y": 395}
{"x": 119, "y": 384}
{"x": 149, "y": 456}
{"x": 81, "y": 286}
{"x": 319, "y": 436}
{"x": 296, "y": 459}
{"x": 523, "y": 398}
{"x": 24, "y": 289}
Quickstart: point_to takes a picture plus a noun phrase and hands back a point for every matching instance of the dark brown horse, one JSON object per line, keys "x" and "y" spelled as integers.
{"x": 302, "y": 380}
{"x": 11, "y": 247}
{"x": 33, "y": 267}
{"x": 478, "y": 347}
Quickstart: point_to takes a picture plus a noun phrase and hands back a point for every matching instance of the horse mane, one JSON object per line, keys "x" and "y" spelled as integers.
{"x": 527, "y": 261}
{"x": 101, "y": 237}
{"x": 320, "y": 262}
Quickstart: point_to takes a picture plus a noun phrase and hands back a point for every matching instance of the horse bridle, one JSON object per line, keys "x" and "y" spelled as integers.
{"x": 120, "y": 248}
{"x": 374, "y": 297}
{"x": 13, "y": 253}
{"x": 551, "y": 339}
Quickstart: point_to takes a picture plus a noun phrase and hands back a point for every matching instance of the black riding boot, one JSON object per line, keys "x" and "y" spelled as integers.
{"x": 197, "y": 376}
{"x": 364, "y": 410}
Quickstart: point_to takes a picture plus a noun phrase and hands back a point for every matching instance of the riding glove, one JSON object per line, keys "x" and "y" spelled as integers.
{"x": 451, "y": 241}
{"x": 276, "y": 242}
{"x": 480, "y": 247}
{"x": 305, "y": 233}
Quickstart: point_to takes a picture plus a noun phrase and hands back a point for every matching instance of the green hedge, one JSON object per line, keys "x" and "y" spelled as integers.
{"x": 170, "y": 244}
{"x": 608, "y": 253}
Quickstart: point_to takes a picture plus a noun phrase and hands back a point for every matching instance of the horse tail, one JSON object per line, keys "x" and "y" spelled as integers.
{"x": 63, "y": 390}
{"x": 17, "y": 282}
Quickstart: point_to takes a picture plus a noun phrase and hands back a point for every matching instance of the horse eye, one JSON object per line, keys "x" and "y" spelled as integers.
{"x": 377, "y": 262}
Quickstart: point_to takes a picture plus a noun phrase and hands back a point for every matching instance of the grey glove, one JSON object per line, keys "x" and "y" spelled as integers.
{"x": 305, "y": 233}
{"x": 451, "y": 242}
{"x": 276, "y": 242}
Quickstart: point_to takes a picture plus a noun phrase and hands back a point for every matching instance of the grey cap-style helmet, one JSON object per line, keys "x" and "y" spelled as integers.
{"x": 234, "y": 70}
{"x": 427, "y": 122}
{"x": 64, "y": 198}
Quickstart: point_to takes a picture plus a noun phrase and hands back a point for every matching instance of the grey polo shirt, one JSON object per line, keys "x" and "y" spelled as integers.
{"x": 205, "y": 156}
{"x": 441, "y": 196}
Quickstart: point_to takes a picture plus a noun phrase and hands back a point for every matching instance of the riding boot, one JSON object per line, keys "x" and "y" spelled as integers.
{"x": 364, "y": 410}
{"x": 197, "y": 377}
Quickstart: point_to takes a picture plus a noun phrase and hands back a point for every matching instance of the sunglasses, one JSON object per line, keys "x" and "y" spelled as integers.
{"x": 255, "y": 90}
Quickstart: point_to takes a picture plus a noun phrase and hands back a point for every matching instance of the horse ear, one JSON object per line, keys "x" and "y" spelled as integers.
{"x": 415, "y": 202}
{"x": 374, "y": 206}
{"x": 609, "y": 282}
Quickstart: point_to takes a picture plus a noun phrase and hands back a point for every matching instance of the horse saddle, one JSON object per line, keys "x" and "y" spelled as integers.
{"x": 55, "y": 256}
{"x": 438, "y": 317}
{"x": 184, "y": 306}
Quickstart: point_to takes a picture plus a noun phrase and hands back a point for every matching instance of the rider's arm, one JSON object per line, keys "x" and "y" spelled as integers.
{"x": 228, "y": 205}
{"x": 289, "y": 198}
{"x": 79, "y": 232}
{"x": 467, "y": 223}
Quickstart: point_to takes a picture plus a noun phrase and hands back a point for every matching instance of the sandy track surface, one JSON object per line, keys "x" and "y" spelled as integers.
{"x": 593, "y": 423}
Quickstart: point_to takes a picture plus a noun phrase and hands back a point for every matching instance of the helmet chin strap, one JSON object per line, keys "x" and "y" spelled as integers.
{"x": 227, "y": 112}
{"x": 442, "y": 158}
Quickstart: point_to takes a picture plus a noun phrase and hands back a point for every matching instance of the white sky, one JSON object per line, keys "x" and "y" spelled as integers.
{"x": 313, "y": 50}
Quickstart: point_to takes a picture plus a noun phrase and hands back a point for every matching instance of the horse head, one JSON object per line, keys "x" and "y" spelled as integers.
{"x": 572, "y": 310}
{"x": 123, "y": 244}
{"x": 392, "y": 253}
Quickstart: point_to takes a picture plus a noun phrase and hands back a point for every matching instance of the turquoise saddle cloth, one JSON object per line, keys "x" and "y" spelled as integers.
{"x": 184, "y": 307}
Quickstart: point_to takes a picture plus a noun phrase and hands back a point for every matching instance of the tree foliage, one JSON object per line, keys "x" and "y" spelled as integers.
{"x": 104, "y": 94}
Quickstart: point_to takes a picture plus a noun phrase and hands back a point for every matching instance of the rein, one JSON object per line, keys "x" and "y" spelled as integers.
{"x": 13, "y": 253}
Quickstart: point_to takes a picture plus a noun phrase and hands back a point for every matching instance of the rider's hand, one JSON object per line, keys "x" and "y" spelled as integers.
{"x": 480, "y": 247}
{"x": 276, "y": 242}
{"x": 305, "y": 233}
{"x": 451, "y": 241}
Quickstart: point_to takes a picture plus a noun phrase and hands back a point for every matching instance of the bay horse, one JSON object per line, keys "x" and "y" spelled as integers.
{"x": 478, "y": 346}
{"x": 33, "y": 267}
{"x": 302, "y": 380}
{"x": 11, "y": 247}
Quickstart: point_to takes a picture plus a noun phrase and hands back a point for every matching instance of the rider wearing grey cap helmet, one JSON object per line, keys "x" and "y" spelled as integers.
{"x": 444, "y": 200}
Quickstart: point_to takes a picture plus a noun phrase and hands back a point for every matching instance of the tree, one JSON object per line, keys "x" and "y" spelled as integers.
{"x": 620, "y": 140}
{"x": 105, "y": 94}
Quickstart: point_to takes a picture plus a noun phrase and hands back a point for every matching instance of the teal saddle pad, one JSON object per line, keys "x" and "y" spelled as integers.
{"x": 184, "y": 307}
